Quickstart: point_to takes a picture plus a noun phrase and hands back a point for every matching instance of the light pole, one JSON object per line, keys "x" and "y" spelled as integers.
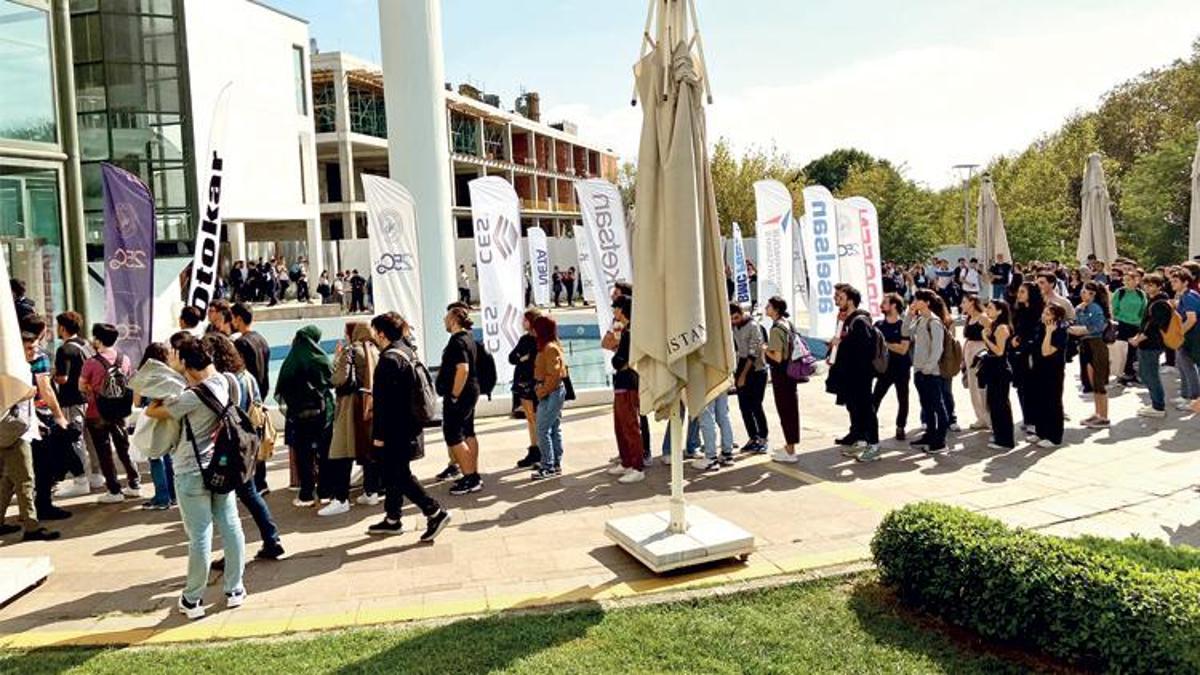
{"x": 969, "y": 172}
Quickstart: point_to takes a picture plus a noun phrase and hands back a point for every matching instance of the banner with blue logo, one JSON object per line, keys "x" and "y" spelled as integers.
{"x": 392, "y": 239}
{"x": 539, "y": 266}
{"x": 775, "y": 229}
{"x": 819, "y": 229}
{"x": 741, "y": 276}
{"x": 129, "y": 236}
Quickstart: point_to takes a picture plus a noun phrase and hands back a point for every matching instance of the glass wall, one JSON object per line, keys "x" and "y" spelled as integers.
{"x": 31, "y": 233}
{"x": 27, "y": 111}
{"x": 131, "y": 94}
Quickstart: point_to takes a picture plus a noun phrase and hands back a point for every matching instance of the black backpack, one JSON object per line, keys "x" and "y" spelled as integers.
{"x": 235, "y": 443}
{"x": 424, "y": 400}
{"x": 485, "y": 370}
{"x": 114, "y": 398}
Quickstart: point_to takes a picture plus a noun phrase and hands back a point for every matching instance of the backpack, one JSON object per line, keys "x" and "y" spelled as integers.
{"x": 801, "y": 364}
{"x": 350, "y": 386}
{"x": 951, "y": 362}
{"x": 485, "y": 367}
{"x": 236, "y": 444}
{"x": 879, "y": 358}
{"x": 114, "y": 398}
{"x": 1173, "y": 336}
{"x": 13, "y": 426}
{"x": 424, "y": 400}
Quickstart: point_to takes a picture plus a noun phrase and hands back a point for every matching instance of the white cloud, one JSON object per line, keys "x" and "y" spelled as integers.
{"x": 934, "y": 106}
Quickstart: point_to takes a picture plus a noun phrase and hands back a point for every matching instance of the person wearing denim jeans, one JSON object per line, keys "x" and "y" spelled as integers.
{"x": 201, "y": 509}
{"x": 549, "y": 374}
{"x": 1187, "y": 304}
{"x": 163, "y": 475}
{"x": 1149, "y": 375}
{"x": 1150, "y": 347}
{"x": 714, "y": 415}
{"x": 549, "y": 430}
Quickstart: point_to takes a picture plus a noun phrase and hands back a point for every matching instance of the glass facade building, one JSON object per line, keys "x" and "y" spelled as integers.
{"x": 133, "y": 110}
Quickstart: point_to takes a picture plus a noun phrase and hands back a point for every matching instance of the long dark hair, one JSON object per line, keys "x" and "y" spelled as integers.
{"x": 158, "y": 351}
{"x": 545, "y": 329}
{"x": 1100, "y": 296}
{"x": 1003, "y": 314}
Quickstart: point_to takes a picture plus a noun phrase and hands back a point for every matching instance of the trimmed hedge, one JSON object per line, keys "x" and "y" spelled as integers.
{"x": 1084, "y": 604}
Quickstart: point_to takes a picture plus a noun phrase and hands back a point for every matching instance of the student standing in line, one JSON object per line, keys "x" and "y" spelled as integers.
{"x": 928, "y": 332}
{"x": 947, "y": 382}
{"x": 626, "y": 409}
{"x": 899, "y": 371}
{"x": 73, "y": 352}
{"x": 1027, "y": 320}
{"x": 973, "y": 345}
{"x": 778, "y": 352}
{"x": 1046, "y": 378}
{"x": 522, "y": 358}
{"x": 549, "y": 372}
{"x": 256, "y": 354}
{"x": 1187, "y": 357}
{"x": 353, "y": 367}
{"x": 853, "y": 374}
{"x": 998, "y": 373}
{"x": 1091, "y": 321}
{"x": 1149, "y": 344}
{"x": 1129, "y": 305}
{"x": 397, "y": 438}
{"x": 109, "y": 369}
{"x": 458, "y": 384}
{"x": 305, "y": 386}
{"x": 751, "y": 377}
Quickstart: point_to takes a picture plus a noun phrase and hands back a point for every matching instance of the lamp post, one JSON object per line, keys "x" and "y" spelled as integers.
{"x": 968, "y": 173}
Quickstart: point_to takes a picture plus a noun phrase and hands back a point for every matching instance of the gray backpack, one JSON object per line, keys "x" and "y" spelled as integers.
{"x": 13, "y": 426}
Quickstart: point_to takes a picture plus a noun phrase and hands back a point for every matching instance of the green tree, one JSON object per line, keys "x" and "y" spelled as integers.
{"x": 734, "y": 179}
{"x": 1156, "y": 201}
{"x": 906, "y": 211}
{"x": 832, "y": 170}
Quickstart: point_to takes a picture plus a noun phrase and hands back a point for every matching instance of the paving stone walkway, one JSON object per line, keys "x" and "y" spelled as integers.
{"x": 119, "y": 570}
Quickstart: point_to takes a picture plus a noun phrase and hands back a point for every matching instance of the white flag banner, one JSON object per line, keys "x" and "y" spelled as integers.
{"x": 741, "y": 276}
{"x": 205, "y": 263}
{"x": 607, "y": 238}
{"x": 498, "y": 259}
{"x": 819, "y": 230}
{"x": 850, "y": 255}
{"x": 800, "y": 299}
{"x": 868, "y": 228}
{"x": 774, "y": 228}
{"x": 587, "y": 273}
{"x": 539, "y": 266}
{"x": 15, "y": 375}
{"x": 392, "y": 238}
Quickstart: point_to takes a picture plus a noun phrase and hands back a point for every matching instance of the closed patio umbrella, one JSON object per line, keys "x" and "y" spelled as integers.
{"x": 681, "y": 345}
{"x": 1194, "y": 226}
{"x": 1096, "y": 235}
{"x": 15, "y": 377}
{"x": 991, "y": 239}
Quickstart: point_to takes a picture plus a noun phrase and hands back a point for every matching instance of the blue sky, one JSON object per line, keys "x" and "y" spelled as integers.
{"x": 927, "y": 82}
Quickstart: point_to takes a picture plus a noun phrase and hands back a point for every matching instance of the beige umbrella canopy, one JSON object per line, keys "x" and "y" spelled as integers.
{"x": 681, "y": 343}
{"x": 991, "y": 240}
{"x": 1194, "y": 227}
{"x": 1096, "y": 234}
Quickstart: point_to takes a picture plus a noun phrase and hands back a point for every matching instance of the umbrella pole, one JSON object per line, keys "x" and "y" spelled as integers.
{"x": 678, "y": 520}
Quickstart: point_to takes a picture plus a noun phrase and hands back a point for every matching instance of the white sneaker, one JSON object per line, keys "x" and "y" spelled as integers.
{"x": 1047, "y": 443}
{"x": 96, "y": 481}
{"x": 334, "y": 508}
{"x": 632, "y": 476}
{"x": 73, "y": 488}
{"x": 235, "y": 599}
{"x": 700, "y": 464}
{"x": 665, "y": 459}
{"x": 135, "y": 493}
{"x": 784, "y": 457}
{"x": 1032, "y": 438}
{"x": 1178, "y": 401}
{"x": 1184, "y": 405}
{"x": 955, "y": 428}
{"x": 978, "y": 426}
{"x": 617, "y": 470}
{"x": 302, "y": 503}
{"x": 192, "y": 612}
{"x": 368, "y": 499}
{"x": 1151, "y": 411}
{"x": 110, "y": 498}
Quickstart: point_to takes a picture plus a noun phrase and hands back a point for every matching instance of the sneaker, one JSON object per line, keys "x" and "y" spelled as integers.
{"x": 532, "y": 457}
{"x": 434, "y": 525}
{"x": 96, "y": 481}
{"x": 996, "y": 446}
{"x": 335, "y": 508}
{"x": 235, "y": 599}
{"x": 632, "y": 476}
{"x": 851, "y": 452}
{"x": 954, "y": 427}
{"x": 1184, "y": 405}
{"x": 871, "y": 454}
{"x": 40, "y": 534}
{"x": 6, "y": 528}
{"x": 1151, "y": 411}
{"x": 726, "y": 460}
{"x": 53, "y": 513}
{"x": 900, "y": 433}
{"x": 451, "y": 471}
{"x": 935, "y": 449}
{"x": 693, "y": 454}
{"x": 921, "y": 445}
{"x": 467, "y": 485}
{"x": 1047, "y": 443}
{"x": 368, "y": 499}
{"x": 192, "y": 610}
{"x": 761, "y": 447}
{"x": 302, "y": 503}
{"x": 1032, "y": 438}
{"x": 111, "y": 498}
{"x": 846, "y": 440}
{"x": 155, "y": 506}
{"x": 978, "y": 426}
{"x": 784, "y": 457}
{"x": 1178, "y": 401}
{"x": 271, "y": 551}
{"x": 541, "y": 473}
{"x": 617, "y": 470}
{"x": 704, "y": 464}
{"x": 386, "y": 527}
{"x": 325, "y": 501}
{"x": 1096, "y": 423}
{"x": 134, "y": 492}
{"x": 74, "y": 488}
{"x": 665, "y": 459}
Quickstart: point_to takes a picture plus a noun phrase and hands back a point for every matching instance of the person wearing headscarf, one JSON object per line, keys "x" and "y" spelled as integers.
{"x": 353, "y": 372}
{"x": 305, "y": 388}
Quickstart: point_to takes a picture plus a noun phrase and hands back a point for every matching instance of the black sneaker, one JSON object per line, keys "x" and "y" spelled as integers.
{"x": 53, "y": 513}
{"x": 543, "y": 474}
{"x": 531, "y": 459}
{"x": 451, "y": 471}
{"x": 271, "y": 551}
{"x": 435, "y": 524}
{"x": 726, "y": 460}
{"x": 935, "y": 449}
{"x": 5, "y": 528}
{"x": 847, "y": 440}
{"x": 40, "y": 534}
{"x": 386, "y": 527}
{"x": 467, "y": 485}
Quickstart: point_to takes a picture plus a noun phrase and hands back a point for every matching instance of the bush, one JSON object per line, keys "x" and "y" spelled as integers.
{"x": 1091, "y": 605}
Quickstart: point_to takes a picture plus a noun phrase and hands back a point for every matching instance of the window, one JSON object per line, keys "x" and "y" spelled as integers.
{"x": 27, "y": 106}
{"x": 298, "y": 76}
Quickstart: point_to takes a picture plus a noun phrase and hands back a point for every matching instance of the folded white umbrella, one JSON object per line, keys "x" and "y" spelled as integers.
{"x": 15, "y": 376}
{"x": 1194, "y": 227}
{"x": 1096, "y": 234}
{"x": 991, "y": 238}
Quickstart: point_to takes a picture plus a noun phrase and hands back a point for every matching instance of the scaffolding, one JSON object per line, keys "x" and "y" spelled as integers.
{"x": 367, "y": 112}
{"x": 464, "y": 133}
{"x": 325, "y": 107}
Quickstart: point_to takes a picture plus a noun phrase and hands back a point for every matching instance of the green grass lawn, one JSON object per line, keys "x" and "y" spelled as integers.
{"x": 835, "y": 626}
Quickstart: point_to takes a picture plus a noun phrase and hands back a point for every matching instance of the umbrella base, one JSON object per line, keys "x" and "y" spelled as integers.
{"x": 708, "y": 538}
{"x": 18, "y": 575}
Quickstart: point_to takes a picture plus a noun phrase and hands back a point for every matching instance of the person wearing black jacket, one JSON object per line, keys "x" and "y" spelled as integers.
{"x": 852, "y": 375}
{"x": 626, "y": 422}
{"x": 397, "y": 437}
{"x": 256, "y": 353}
{"x": 1024, "y": 343}
{"x": 1150, "y": 346}
{"x": 522, "y": 357}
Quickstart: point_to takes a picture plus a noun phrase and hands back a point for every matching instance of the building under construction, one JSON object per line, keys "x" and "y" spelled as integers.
{"x": 540, "y": 160}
